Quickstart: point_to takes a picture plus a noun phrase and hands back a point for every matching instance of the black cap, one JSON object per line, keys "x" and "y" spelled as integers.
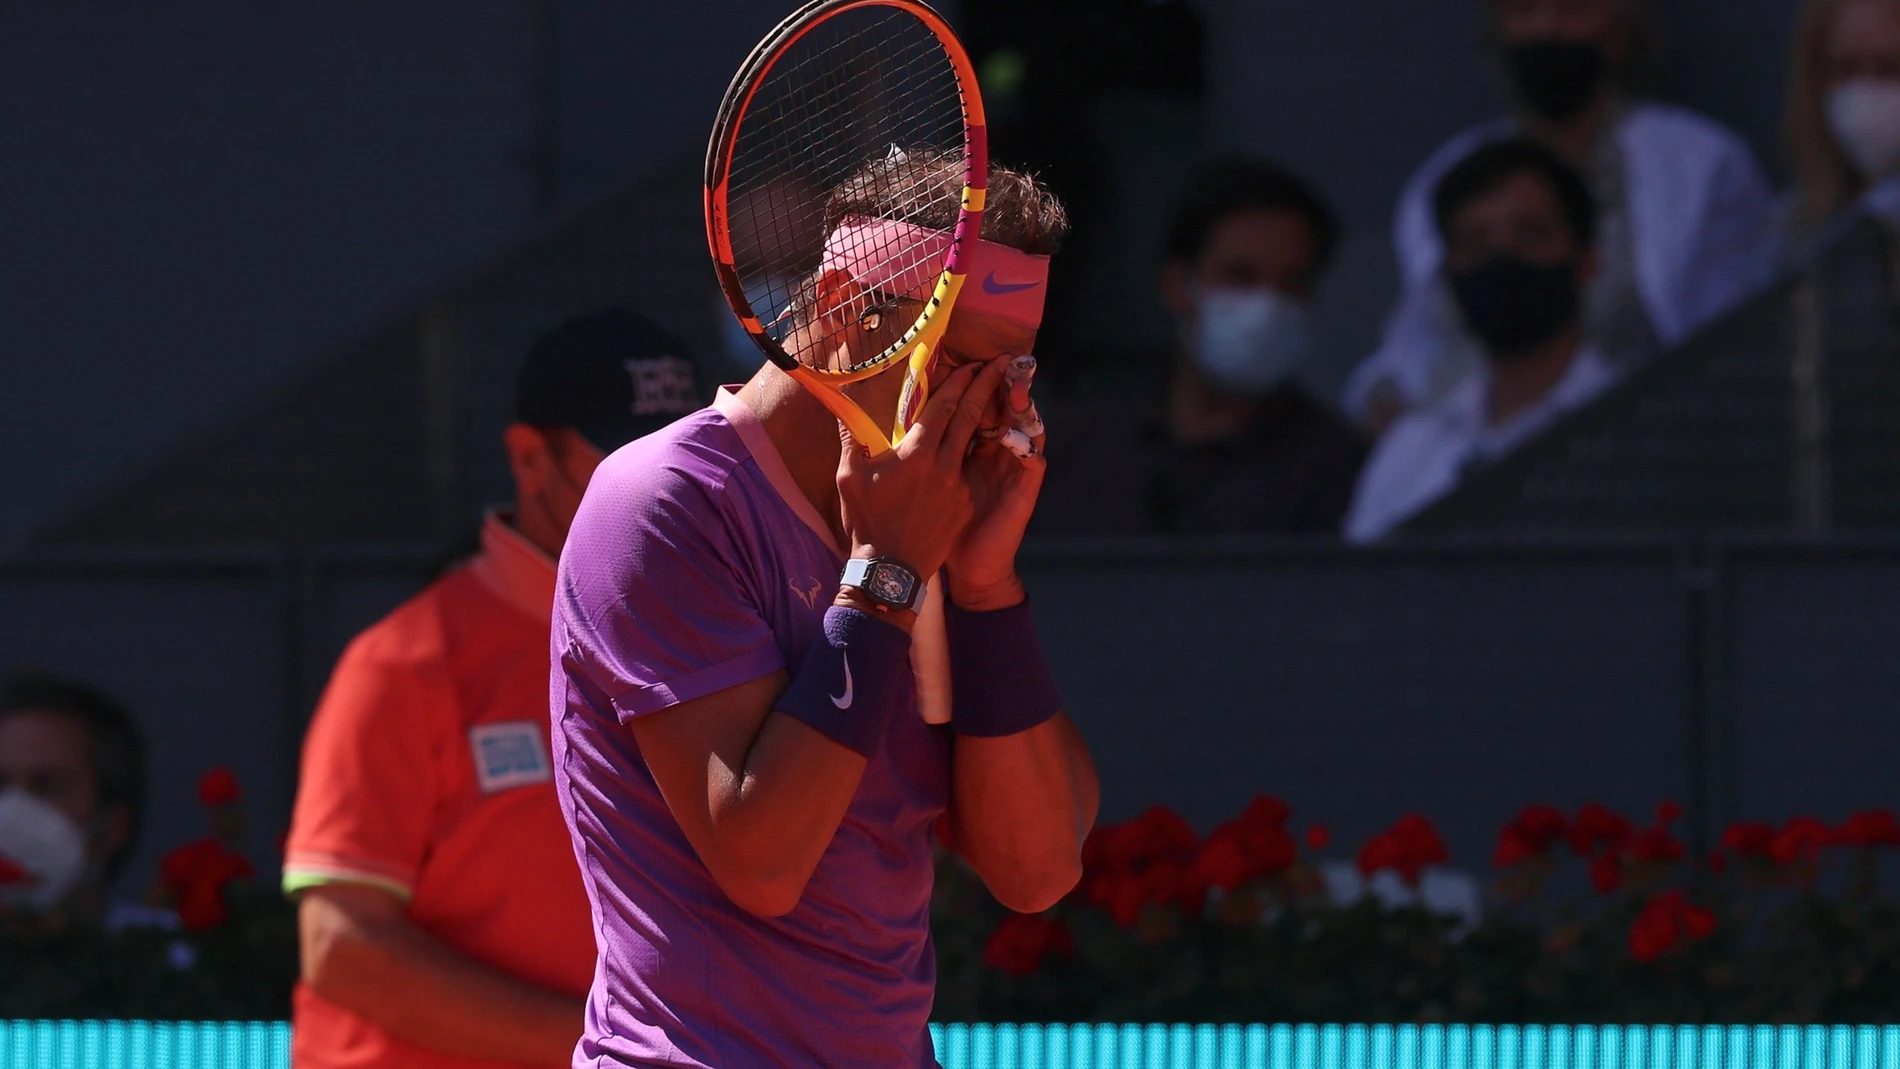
{"x": 612, "y": 375}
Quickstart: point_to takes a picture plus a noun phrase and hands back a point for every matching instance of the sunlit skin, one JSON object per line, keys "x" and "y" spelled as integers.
{"x": 1003, "y": 486}
{"x": 50, "y": 756}
{"x": 760, "y": 794}
{"x": 1865, "y": 43}
{"x": 1255, "y": 248}
{"x": 1521, "y": 217}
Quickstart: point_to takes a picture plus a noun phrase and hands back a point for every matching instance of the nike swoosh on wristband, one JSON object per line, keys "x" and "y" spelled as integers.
{"x": 843, "y": 701}
{"x": 995, "y": 288}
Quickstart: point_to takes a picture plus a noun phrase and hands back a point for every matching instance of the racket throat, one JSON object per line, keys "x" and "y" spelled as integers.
{"x": 916, "y": 391}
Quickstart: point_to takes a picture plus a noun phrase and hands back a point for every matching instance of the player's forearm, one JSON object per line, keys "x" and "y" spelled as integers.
{"x": 422, "y": 991}
{"x": 1022, "y": 805}
{"x": 773, "y": 820}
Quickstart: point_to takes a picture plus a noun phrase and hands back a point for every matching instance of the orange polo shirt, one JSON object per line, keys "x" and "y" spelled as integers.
{"x": 426, "y": 773}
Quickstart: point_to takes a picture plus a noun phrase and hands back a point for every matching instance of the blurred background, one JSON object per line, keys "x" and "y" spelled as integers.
{"x": 268, "y": 271}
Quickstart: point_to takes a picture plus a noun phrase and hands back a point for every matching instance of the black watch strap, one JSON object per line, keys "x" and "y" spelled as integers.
{"x": 885, "y": 580}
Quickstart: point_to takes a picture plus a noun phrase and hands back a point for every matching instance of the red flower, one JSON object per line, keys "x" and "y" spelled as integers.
{"x": 1665, "y": 922}
{"x": 219, "y": 788}
{"x": 1542, "y": 826}
{"x": 1409, "y": 847}
{"x": 1264, "y": 811}
{"x": 1222, "y": 863}
{"x": 1655, "y": 845}
{"x": 1801, "y": 839}
{"x": 1668, "y": 813}
{"x": 1023, "y": 940}
{"x": 13, "y": 874}
{"x": 1596, "y": 827}
{"x": 1317, "y": 837}
{"x": 1750, "y": 838}
{"x": 1513, "y": 846}
{"x": 1122, "y": 894}
{"x": 1158, "y": 833}
{"x": 1536, "y": 829}
{"x": 196, "y": 875}
{"x": 1718, "y": 862}
{"x": 1606, "y": 872}
{"x": 1869, "y": 829}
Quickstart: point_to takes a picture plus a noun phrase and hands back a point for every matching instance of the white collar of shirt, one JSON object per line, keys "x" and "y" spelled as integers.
{"x": 514, "y": 569}
{"x": 1462, "y": 412}
{"x": 1425, "y": 454}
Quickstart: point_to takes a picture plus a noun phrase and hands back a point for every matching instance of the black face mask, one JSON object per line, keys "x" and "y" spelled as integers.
{"x": 1556, "y": 79}
{"x": 1515, "y": 306}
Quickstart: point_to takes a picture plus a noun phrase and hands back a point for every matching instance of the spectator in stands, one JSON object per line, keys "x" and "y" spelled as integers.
{"x": 1843, "y": 123}
{"x": 72, "y": 791}
{"x": 1683, "y": 207}
{"x": 442, "y": 918}
{"x": 1222, "y": 439}
{"x": 1519, "y": 227}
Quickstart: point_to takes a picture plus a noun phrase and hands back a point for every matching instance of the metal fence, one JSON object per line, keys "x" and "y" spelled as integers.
{"x": 1740, "y": 679}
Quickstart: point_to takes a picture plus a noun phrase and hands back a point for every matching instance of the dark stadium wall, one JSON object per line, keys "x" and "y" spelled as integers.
{"x": 200, "y": 197}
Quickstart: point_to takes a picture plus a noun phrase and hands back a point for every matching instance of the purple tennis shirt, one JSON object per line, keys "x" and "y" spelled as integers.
{"x": 695, "y": 564}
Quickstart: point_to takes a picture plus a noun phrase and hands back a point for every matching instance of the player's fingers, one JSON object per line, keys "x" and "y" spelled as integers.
{"x": 976, "y": 401}
{"x": 850, "y": 453}
{"x": 928, "y": 431}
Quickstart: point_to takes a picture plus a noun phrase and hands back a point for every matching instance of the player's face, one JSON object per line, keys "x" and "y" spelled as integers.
{"x": 974, "y": 337}
{"x": 1520, "y": 217}
{"x": 1865, "y": 43}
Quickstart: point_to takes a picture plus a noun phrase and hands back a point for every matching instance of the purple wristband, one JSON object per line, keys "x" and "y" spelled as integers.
{"x": 1000, "y": 682}
{"x": 853, "y": 677}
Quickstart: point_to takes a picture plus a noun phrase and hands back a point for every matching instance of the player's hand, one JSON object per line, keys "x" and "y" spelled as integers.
{"x": 912, "y": 502}
{"x": 1003, "y": 488}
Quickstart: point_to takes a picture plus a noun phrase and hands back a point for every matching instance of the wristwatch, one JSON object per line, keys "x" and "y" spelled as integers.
{"x": 885, "y": 580}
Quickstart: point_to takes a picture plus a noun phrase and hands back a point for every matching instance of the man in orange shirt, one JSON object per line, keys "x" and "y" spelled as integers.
{"x": 441, "y": 916}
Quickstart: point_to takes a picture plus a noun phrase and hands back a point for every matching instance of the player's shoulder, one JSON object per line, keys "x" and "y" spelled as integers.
{"x": 674, "y": 473}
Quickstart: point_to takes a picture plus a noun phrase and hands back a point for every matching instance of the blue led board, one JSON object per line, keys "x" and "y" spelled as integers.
{"x": 266, "y": 1045}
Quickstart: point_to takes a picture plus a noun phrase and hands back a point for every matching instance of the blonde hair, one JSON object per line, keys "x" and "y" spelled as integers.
{"x": 1824, "y": 179}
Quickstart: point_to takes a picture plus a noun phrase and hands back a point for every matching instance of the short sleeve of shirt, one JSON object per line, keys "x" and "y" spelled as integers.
{"x": 652, "y": 594}
{"x": 369, "y": 787}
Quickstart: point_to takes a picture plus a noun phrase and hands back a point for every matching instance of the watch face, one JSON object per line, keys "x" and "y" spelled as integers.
{"x": 890, "y": 585}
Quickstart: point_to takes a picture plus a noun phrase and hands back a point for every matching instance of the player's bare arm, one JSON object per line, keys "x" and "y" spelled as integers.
{"x": 1021, "y": 804}
{"x": 760, "y": 794}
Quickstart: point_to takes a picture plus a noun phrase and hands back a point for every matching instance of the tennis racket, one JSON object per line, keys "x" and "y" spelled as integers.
{"x": 857, "y": 92}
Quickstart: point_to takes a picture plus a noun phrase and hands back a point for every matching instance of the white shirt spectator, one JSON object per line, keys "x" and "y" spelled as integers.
{"x": 1425, "y": 454}
{"x": 1683, "y": 224}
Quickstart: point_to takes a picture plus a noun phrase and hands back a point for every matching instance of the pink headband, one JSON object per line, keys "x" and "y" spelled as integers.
{"x": 905, "y": 259}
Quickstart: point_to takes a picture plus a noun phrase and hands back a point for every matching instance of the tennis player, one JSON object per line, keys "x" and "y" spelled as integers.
{"x": 738, "y": 747}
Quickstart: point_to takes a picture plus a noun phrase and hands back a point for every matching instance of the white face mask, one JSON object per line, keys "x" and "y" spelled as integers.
{"x": 46, "y": 843}
{"x": 1247, "y": 341}
{"x": 1864, "y": 115}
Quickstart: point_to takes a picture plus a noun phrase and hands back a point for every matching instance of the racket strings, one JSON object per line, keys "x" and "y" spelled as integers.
{"x": 833, "y": 109}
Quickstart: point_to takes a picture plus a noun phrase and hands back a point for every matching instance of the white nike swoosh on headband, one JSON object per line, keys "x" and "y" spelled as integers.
{"x": 843, "y": 701}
